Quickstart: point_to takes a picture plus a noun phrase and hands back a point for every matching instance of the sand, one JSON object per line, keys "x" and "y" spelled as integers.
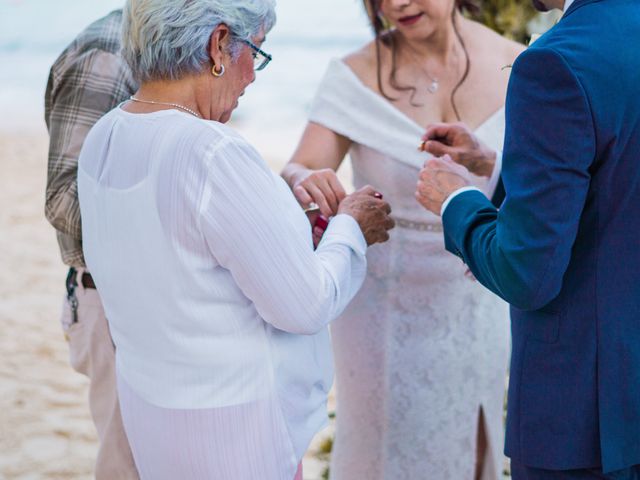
{"x": 45, "y": 428}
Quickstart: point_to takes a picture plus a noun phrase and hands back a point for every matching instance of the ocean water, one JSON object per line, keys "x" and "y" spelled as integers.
{"x": 308, "y": 34}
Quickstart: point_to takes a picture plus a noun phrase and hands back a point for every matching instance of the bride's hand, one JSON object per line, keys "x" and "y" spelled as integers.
{"x": 321, "y": 187}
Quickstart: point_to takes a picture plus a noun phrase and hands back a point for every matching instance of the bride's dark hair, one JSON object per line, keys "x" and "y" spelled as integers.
{"x": 384, "y": 36}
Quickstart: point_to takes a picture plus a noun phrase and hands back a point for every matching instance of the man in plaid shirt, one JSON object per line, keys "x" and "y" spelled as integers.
{"x": 86, "y": 81}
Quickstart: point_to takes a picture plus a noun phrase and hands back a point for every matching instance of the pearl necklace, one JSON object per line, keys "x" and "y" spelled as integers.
{"x": 176, "y": 105}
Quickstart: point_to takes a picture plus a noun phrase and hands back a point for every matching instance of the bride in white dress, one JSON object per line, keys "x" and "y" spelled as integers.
{"x": 422, "y": 351}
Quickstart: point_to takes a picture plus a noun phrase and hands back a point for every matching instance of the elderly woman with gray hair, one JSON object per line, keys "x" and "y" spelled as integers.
{"x": 218, "y": 303}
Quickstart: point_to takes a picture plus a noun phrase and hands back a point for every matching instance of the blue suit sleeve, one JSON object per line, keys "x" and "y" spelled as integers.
{"x": 522, "y": 251}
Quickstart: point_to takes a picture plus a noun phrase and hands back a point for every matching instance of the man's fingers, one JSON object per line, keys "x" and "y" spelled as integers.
{"x": 437, "y": 130}
{"x": 422, "y": 200}
{"x": 451, "y": 165}
{"x": 437, "y": 149}
{"x": 426, "y": 202}
{"x": 421, "y": 187}
{"x": 449, "y": 161}
{"x": 435, "y": 164}
{"x": 430, "y": 166}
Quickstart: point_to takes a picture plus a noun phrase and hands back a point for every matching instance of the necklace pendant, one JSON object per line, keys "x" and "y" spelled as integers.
{"x": 433, "y": 88}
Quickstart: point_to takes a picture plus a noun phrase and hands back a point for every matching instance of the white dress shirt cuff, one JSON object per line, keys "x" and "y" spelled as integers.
{"x": 455, "y": 194}
{"x": 344, "y": 229}
{"x": 495, "y": 175}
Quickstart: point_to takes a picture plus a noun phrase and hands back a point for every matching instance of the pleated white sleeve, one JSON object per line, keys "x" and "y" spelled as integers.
{"x": 255, "y": 228}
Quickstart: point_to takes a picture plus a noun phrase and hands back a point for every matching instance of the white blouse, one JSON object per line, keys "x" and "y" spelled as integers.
{"x": 214, "y": 294}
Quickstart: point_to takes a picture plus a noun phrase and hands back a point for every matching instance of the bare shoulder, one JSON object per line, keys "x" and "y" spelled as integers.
{"x": 363, "y": 63}
{"x": 490, "y": 44}
{"x": 510, "y": 49}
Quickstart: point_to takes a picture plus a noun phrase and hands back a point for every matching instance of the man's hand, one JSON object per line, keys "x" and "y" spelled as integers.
{"x": 458, "y": 142}
{"x": 439, "y": 178}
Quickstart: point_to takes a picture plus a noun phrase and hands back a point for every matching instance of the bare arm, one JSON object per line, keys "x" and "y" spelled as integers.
{"x": 311, "y": 172}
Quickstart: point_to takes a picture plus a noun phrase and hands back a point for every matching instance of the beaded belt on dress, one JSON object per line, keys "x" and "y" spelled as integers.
{"x": 420, "y": 226}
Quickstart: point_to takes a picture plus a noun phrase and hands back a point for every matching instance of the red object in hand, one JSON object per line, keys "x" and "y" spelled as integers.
{"x": 319, "y": 227}
{"x": 321, "y": 223}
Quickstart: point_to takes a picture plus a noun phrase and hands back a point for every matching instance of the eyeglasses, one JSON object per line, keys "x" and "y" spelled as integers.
{"x": 260, "y": 58}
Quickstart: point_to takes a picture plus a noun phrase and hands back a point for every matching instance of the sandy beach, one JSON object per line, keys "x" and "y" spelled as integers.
{"x": 45, "y": 427}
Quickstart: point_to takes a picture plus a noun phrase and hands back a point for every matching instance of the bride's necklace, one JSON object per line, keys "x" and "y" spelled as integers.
{"x": 177, "y": 105}
{"x": 434, "y": 84}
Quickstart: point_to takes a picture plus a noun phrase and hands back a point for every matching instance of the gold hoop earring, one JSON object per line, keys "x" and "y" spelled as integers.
{"x": 217, "y": 73}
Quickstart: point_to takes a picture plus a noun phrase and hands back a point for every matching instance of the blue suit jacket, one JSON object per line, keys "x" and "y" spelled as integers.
{"x": 564, "y": 249}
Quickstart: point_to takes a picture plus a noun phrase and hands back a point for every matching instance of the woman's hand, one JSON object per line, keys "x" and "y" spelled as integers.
{"x": 371, "y": 212}
{"x": 321, "y": 187}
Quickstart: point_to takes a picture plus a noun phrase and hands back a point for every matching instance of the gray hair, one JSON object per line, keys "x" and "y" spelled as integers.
{"x": 168, "y": 39}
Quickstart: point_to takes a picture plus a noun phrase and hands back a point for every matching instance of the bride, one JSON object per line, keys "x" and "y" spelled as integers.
{"x": 422, "y": 351}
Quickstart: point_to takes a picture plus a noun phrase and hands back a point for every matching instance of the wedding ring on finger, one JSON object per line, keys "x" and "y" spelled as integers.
{"x": 312, "y": 208}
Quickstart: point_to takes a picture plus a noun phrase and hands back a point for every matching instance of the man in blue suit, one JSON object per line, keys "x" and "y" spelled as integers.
{"x": 564, "y": 247}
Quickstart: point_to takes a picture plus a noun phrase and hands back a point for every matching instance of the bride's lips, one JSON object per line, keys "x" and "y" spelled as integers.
{"x": 410, "y": 20}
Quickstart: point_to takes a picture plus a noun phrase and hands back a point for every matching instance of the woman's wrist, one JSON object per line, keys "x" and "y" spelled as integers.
{"x": 293, "y": 173}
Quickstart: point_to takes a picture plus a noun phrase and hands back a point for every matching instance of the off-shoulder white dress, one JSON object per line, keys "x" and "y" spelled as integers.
{"x": 422, "y": 348}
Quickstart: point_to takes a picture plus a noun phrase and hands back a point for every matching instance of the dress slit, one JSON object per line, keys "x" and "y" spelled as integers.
{"x": 485, "y": 463}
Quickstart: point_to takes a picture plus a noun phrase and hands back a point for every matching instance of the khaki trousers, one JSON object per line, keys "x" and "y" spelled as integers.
{"x": 92, "y": 353}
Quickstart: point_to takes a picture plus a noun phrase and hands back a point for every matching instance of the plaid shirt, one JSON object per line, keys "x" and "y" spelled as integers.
{"x": 86, "y": 81}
